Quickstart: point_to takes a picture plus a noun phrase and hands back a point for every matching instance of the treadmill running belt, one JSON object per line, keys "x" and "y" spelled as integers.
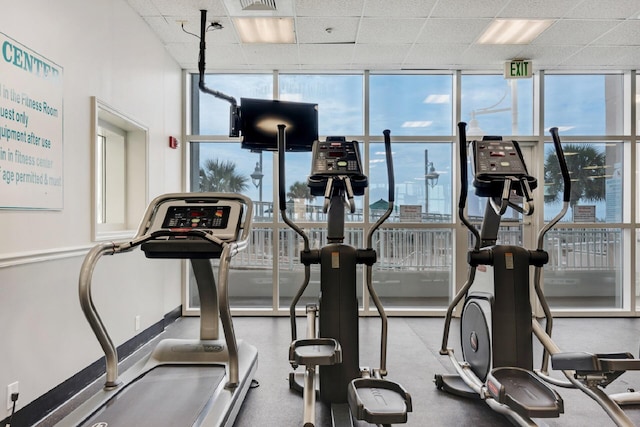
{"x": 165, "y": 396}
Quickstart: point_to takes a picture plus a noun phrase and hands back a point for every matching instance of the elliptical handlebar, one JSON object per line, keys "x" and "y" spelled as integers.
{"x": 566, "y": 178}
{"x": 391, "y": 181}
{"x": 464, "y": 183}
{"x": 537, "y": 278}
{"x": 390, "y": 175}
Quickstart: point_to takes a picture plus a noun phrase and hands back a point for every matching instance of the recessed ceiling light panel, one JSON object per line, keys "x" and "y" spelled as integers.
{"x": 265, "y": 30}
{"x": 514, "y": 31}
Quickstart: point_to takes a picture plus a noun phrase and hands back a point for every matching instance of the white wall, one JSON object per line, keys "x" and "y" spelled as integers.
{"x": 107, "y": 51}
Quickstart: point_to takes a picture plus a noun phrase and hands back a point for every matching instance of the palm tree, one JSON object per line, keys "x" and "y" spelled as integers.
{"x": 586, "y": 167}
{"x": 300, "y": 190}
{"x": 221, "y": 176}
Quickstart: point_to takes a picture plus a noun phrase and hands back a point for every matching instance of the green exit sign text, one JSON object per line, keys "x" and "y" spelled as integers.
{"x": 518, "y": 69}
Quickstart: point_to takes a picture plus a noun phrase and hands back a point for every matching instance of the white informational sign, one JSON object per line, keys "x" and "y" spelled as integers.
{"x": 410, "y": 213}
{"x": 584, "y": 213}
{"x": 31, "y": 140}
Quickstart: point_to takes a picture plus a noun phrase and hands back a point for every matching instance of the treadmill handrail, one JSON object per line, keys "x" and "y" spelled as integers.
{"x": 229, "y": 249}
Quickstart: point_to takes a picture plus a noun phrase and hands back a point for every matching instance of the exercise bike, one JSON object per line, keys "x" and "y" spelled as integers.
{"x": 496, "y": 328}
{"x": 331, "y": 354}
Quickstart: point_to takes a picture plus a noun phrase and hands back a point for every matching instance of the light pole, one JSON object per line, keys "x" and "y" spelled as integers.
{"x": 256, "y": 178}
{"x": 430, "y": 178}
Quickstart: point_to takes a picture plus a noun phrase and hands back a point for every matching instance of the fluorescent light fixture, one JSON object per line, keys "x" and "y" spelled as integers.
{"x": 514, "y": 31}
{"x": 437, "y": 99}
{"x": 417, "y": 124}
{"x": 265, "y": 30}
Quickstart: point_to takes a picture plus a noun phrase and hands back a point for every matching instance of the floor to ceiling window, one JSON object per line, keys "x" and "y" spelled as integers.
{"x": 419, "y": 264}
{"x": 587, "y": 263}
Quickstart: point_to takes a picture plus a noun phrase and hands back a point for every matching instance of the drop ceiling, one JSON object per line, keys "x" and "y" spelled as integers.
{"x": 402, "y": 34}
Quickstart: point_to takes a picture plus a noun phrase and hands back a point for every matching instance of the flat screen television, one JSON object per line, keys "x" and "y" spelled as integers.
{"x": 259, "y": 120}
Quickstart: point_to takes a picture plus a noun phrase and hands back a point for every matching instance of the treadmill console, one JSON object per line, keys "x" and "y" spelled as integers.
{"x": 336, "y": 157}
{"x": 494, "y": 161}
{"x": 174, "y": 217}
{"x": 197, "y": 217}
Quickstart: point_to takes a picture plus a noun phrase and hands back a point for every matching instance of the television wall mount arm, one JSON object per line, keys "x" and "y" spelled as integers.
{"x": 234, "y": 113}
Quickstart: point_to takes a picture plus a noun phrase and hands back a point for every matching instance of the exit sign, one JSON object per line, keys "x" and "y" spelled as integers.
{"x": 518, "y": 69}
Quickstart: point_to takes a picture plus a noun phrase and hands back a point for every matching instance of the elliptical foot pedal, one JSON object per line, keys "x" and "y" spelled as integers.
{"x": 315, "y": 351}
{"x": 523, "y": 392}
{"x": 453, "y": 384}
{"x": 379, "y": 401}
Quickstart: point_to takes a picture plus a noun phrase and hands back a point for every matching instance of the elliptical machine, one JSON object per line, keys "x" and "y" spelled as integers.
{"x": 496, "y": 329}
{"x": 337, "y": 175}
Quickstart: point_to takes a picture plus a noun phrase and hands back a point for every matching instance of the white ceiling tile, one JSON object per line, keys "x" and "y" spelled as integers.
{"x": 329, "y": 7}
{"x": 318, "y": 54}
{"x": 627, "y": 33}
{"x": 468, "y": 8}
{"x": 190, "y": 7}
{"x": 173, "y": 32}
{"x": 434, "y": 54}
{"x": 599, "y": 9}
{"x": 435, "y": 34}
{"x": 224, "y": 56}
{"x": 574, "y": 32}
{"x": 404, "y": 8}
{"x": 537, "y": 9}
{"x": 452, "y": 30}
{"x": 144, "y": 7}
{"x": 271, "y": 54}
{"x": 380, "y": 53}
{"x": 390, "y": 30}
{"x": 547, "y": 56}
{"x": 314, "y": 30}
{"x": 488, "y": 54}
{"x": 605, "y": 56}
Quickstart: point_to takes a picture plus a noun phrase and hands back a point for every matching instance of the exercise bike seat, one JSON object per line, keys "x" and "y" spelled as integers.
{"x": 378, "y": 401}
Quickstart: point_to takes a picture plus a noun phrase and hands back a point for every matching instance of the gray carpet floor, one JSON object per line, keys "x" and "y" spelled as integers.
{"x": 413, "y": 359}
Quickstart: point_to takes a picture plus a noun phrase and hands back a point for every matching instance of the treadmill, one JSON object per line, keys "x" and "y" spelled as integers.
{"x": 183, "y": 382}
